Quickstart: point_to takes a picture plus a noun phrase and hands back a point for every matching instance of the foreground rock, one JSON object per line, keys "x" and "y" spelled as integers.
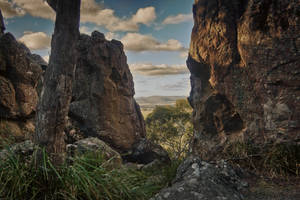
{"x": 198, "y": 180}
{"x": 103, "y": 105}
{"x": 90, "y": 146}
{"x": 147, "y": 152}
{"x": 25, "y": 149}
{"x": 94, "y": 145}
{"x": 245, "y": 66}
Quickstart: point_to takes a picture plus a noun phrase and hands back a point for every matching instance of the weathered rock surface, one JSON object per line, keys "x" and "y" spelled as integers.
{"x": 245, "y": 72}
{"x": 20, "y": 72}
{"x": 102, "y": 104}
{"x": 25, "y": 148}
{"x": 94, "y": 145}
{"x": 19, "y": 75}
{"x": 147, "y": 152}
{"x": 199, "y": 180}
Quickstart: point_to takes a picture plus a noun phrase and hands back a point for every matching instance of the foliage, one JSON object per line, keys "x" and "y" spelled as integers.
{"x": 275, "y": 159}
{"x": 85, "y": 177}
{"x": 171, "y": 127}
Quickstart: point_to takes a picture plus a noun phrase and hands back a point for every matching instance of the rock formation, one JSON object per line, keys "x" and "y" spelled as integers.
{"x": 102, "y": 104}
{"x": 199, "y": 180}
{"x": 244, "y": 61}
{"x": 20, "y": 72}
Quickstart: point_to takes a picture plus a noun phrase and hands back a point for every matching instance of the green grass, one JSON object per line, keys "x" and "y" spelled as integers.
{"x": 87, "y": 177}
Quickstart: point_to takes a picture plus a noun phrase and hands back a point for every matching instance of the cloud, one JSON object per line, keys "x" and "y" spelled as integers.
{"x": 184, "y": 54}
{"x": 36, "y": 8}
{"x": 178, "y": 85}
{"x": 108, "y": 19}
{"x": 9, "y": 10}
{"x": 111, "y": 35}
{"x": 138, "y": 43}
{"x": 36, "y": 41}
{"x": 178, "y": 19}
{"x": 91, "y": 12}
{"x": 158, "y": 70}
{"x": 46, "y": 58}
{"x": 85, "y": 30}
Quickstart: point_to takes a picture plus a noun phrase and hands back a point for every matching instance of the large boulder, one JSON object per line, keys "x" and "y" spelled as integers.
{"x": 102, "y": 104}
{"x": 19, "y": 75}
{"x": 20, "y": 72}
{"x": 146, "y": 152}
{"x": 199, "y": 180}
{"x": 95, "y": 146}
{"x": 245, "y": 66}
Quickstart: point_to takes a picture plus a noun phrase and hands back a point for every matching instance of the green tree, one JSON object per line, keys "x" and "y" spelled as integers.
{"x": 171, "y": 127}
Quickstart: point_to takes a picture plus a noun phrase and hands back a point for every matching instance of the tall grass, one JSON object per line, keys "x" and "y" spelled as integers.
{"x": 273, "y": 159}
{"x": 86, "y": 177}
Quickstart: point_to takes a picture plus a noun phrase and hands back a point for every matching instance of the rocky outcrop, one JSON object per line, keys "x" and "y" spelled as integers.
{"x": 199, "y": 180}
{"x": 19, "y": 75}
{"x": 245, "y": 73}
{"x": 102, "y": 104}
{"x": 20, "y": 72}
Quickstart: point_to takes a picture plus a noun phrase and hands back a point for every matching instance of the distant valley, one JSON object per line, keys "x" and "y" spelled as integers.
{"x": 148, "y": 103}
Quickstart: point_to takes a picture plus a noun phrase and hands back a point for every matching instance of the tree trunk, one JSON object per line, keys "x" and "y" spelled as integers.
{"x": 56, "y": 95}
{"x": 2, "y": 25}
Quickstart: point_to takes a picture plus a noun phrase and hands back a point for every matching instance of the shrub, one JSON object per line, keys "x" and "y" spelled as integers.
{"x": 274, "y": 159}
{"x": 171, "y": 127}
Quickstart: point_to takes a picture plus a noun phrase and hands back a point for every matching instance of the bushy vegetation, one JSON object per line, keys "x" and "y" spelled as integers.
{"x": 86, "y": 177}
{"x": 171, "y": 127}
{"x": 273, "y": 159}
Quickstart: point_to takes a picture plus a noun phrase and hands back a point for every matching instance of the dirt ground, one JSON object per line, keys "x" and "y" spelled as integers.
{"x": 279, "y": 188}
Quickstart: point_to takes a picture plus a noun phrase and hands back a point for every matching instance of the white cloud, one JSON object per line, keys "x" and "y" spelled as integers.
{"x": 138, "y": 42}
{"x": 158, "y": 70}
{"x": 9, "y": 10}
{"x": 36, "y": 41}
{"x": 36, "y": 8}
{"x": 108, "y": 19}
{"x": 85, "y": 30}
{"x": 178, "y": 19}
{"x": 184, "y": 54}
{"x": 144, "y": 16}
{"x": 46, "y": 58}
{"x": 91, "y": 12}
{"x": 111, "y": 35}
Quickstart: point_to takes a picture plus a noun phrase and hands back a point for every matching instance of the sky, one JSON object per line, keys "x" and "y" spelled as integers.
{"x": 155, "y": 34}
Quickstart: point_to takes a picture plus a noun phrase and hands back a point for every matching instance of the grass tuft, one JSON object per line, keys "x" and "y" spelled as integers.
{"x": 88, "y": 177}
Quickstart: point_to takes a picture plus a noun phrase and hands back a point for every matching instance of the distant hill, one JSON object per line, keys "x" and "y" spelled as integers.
{"x": 152, "y": 101}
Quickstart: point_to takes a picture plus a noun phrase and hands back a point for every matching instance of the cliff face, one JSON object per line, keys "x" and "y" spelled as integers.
{"x": 245, "y": 72}
{"x": 103, "y": 105}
